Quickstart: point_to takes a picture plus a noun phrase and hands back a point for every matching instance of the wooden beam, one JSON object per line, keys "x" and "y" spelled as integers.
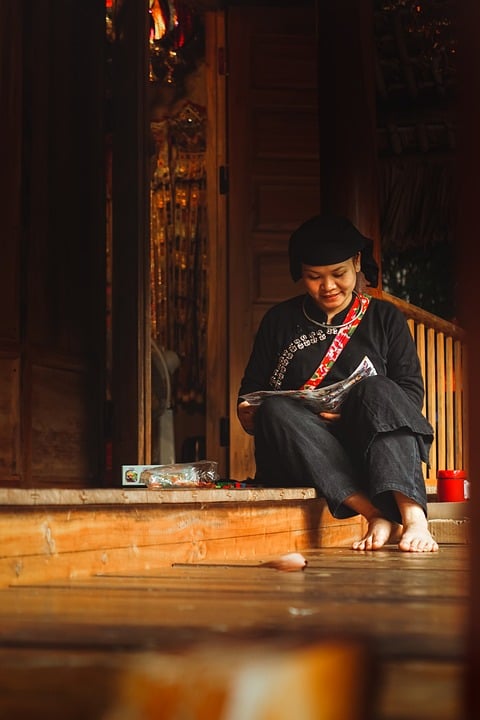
{"x": 51, "y": 536}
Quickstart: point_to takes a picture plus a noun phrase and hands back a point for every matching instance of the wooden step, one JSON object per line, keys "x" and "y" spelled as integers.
{"x": 62, "y": 533}
{"x": 449, "y": 522}
{"x": 59, "y": 533}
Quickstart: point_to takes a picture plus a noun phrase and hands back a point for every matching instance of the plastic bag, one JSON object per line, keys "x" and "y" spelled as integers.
{"x": 203, "y": 473}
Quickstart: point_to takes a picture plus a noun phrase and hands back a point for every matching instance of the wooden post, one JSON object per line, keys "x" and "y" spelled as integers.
{"x": 131, "y": 232}
{"x": 347, "y": 113}
{"x": 467, "y": 239}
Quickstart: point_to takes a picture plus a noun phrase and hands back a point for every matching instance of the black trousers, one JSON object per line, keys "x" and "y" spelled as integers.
{"x": 375, "y": 448}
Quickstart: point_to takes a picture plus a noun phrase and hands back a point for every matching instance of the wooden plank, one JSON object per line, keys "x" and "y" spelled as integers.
{"x": 450, "y": 531}
{"x": 431, "y": 395}
{"x": 58, "y": 497}
{"x": 446, "y": 580}
{"x": 60, "y": 416}
{"x": 40, "y": 683}
{"x": 419, "y": 338}
{"x": 12, "y": 35}
{"x": 216, "y": 157}
{"x": 47, "y": 257}
{"x": 449, "y": 403}
{"x": 10, "y": 446}
{"x": 420, "y": 343}
{"x": 422, "y": 690}
{"x": 242, "y": 680}
{"x": 409, "y": 611}
{"x": 71, "y": 534}
{"x": 274, "y": 171}
{"x": 52, "y": 684}
{"x": 327, "y": 680}
{"x": 420, "y": 604}
{"x": 130, "y": 269}
{"x": 440, "y": 425}
{"x": 461, "y": 424}
{"x": 425, "y": 317}
{"x": 79, "y": 541}
{"x": 155, "y": 618}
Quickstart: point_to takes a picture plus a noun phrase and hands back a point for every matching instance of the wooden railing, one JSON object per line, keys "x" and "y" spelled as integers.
{"x": 441, "y": 349}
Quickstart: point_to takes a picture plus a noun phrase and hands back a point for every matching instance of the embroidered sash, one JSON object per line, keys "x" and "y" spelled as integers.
{"x": 352, "y": 321}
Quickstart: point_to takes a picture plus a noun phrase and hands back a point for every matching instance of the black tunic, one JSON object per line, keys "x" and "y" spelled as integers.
{"x": 288, "y": 348}
{"x": 294, "y": 446}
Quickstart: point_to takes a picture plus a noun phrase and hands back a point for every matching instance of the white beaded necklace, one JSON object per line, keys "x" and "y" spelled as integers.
{"x": 330, "y": 325}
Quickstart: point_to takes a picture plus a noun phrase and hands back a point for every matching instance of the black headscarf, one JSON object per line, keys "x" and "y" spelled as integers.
{"x": 328, "y": 240}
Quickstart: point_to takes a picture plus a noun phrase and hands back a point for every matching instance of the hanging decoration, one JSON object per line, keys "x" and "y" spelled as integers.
{"x": 426, "y": 32}
{"x": 176, "y": 40}
{"x": 178, "y": 250}
{"x": 178, "y": 227}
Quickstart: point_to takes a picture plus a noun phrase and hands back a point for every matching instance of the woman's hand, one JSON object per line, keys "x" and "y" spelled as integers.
{"x": 331, "y": 417}
{"x": 246, "y": 415}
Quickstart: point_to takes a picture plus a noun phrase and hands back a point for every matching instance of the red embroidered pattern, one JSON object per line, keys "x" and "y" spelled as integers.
{"x": 352, "y": 321}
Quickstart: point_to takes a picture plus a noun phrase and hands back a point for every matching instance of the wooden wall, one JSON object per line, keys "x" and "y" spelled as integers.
{"x": 347, "y": 114}
{"x": 301, "y": 139}
{"x": 467, "y": 234}
{"x": 11, "y": 102}
{"x": 52, "y": 242}
{"x": 274, "y": 172}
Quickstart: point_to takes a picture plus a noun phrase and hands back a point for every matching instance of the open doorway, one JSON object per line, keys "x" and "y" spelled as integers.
{"x": 165, "y": 221}
{"x": 178, "y": 231}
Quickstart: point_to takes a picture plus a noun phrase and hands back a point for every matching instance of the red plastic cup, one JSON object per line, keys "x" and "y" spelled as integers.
{"x": 451, "y": 485}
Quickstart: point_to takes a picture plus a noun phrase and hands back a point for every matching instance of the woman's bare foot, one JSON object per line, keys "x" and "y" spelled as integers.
{"x": 412, "y": 536}
{"x": 380, "y": 532}
{"x": 416, "y": 536}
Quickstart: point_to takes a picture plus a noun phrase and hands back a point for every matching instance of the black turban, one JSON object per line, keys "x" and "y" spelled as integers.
{"x": 328, "y": 240}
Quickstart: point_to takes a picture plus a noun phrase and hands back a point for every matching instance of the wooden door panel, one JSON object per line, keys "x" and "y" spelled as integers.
{"x": 10, "y": 459}
{"x": 60, "y": 421}
{"x": 282, "y": 137}
{"x": 52, "y": 235}
{"x": 274, "y": 173}
{"x": 283, "y": 47}
{"x": 10, "y": 234}
{"x": 272, "y": 279}
{"x": 131, "y": 367}
{"x": 281, "y": 204}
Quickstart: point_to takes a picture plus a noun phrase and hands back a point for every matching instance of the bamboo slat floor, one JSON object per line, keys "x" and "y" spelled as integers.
{"x": 64, "y": 643}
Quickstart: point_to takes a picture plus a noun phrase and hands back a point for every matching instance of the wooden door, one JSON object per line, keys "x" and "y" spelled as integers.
{"x": 217, "y": 250}
{"x": 130, "y": 365}
{"x": 52, "y": 243}
{"x": 274, "y": 172}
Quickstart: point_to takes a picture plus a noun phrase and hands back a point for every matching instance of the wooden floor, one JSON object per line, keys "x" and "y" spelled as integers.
{"x": 65, "y": 645}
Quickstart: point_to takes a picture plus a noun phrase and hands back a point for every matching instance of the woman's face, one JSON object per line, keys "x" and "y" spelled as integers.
{"x": 331, "y": 286}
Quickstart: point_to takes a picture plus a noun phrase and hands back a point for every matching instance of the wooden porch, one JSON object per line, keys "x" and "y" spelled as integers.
{"x": 106, "y": 593}
{"x": 75, "y": 649}
{"x": 109, "y": 598}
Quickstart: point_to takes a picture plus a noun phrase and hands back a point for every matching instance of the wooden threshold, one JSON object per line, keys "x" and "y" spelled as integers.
{"x": 49, "y": 534}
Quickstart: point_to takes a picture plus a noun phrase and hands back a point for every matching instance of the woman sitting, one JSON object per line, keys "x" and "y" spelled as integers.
{"x": 367, "y": 457}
